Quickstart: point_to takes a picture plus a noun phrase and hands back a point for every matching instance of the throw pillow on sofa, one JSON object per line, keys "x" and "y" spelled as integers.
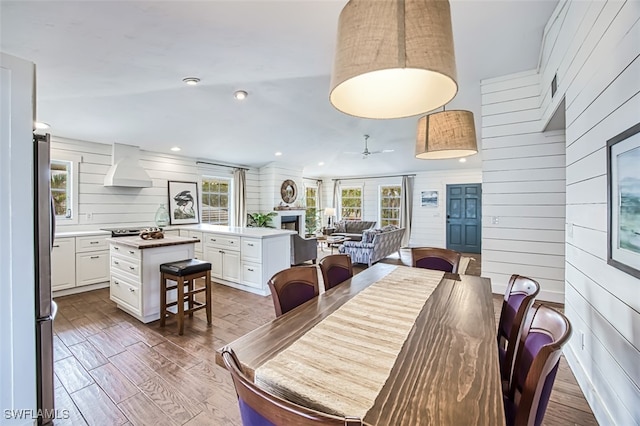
{"x": 369, "y": 234}
{"x": 341, "y": 228}
{"x": 389, "y": 228}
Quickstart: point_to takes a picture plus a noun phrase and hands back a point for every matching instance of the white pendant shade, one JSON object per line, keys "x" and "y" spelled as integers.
{"x": 394, "y": 58}
{"x": 446, "y": 134}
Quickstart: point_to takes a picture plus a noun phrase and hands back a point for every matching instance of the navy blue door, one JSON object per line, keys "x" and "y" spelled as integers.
{"x": 464, "y": 217}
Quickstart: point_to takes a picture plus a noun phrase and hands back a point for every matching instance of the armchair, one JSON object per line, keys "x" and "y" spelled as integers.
{"x": 303, "y": 249}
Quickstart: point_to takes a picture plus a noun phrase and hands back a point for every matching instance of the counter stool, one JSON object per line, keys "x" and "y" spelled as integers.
{"x": 184, "y": 273}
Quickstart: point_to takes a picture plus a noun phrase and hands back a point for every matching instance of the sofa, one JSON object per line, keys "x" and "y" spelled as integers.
{"x": 303, "y": 249}
{"x": 376, "y": 244}
{"x": 351, "y": 228}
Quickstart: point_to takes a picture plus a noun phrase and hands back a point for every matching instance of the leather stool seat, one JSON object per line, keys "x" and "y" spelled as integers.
{"x": 185, "y": 267}
{"x": 184, "y": 273}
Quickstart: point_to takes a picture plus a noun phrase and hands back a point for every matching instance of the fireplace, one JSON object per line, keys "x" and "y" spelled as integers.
{"x": 290, "y": 223}
{"x": 292, "y": 220}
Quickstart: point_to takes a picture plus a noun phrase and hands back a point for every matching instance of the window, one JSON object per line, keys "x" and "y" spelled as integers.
{"x": 390, "y": 205}
{"x": 311, "y": 215}
{"x": 351, "y": 203}
{"x": 64, "y": 187}
{"x": 215, "y": 200}
{"x": 61, "y": 188}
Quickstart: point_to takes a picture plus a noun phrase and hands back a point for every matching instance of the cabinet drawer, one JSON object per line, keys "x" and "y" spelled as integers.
{"x": 123, "y": 292}
{"x": 196, "y": 236}
{"x": 251, "y": 249}
{"x": 222, "y": 241}
{"x": 84, "y": 244}
{"x": 92, "y": 267}
{"x": 126, "y": 251}
{"x": 127, "y": 265}
{"x": 252, "y": 275}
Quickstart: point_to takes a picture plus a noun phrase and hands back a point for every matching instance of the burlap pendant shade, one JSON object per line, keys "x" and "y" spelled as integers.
{"x": 446, "y": 134}
{"x": 394, "y": 58}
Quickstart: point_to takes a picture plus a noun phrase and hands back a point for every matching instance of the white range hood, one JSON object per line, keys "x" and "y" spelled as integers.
{"x": 126, "y": 169}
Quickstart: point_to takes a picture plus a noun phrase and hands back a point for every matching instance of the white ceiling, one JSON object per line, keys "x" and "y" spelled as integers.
{"x": 111, "y": 71}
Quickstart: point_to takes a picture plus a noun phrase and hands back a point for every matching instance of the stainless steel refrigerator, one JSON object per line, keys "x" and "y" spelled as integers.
{"x": 44, "y": 228}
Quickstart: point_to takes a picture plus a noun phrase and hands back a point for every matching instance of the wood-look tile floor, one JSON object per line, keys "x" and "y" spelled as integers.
{"x": 113, "y": 370}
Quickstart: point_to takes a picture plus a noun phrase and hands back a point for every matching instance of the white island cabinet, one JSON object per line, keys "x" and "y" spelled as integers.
{"x": 243, "y": 258}
{"x": 135, "y": 271}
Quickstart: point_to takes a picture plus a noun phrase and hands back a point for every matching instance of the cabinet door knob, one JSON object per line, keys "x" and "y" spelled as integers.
{"x": 131, "y": 290}
{"x": 250, "y": 244}
{"x": 116, "y": 282}
{"x": 116, "y": 248}
{"x": 132, "y": 268}
{"x": 249, "y": 269}
{"x": 131, "y": 252}
{"x": 115, "y": 262}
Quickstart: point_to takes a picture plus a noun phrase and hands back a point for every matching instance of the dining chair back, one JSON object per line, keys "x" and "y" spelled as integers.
{"x": 336, "y": 268}
{"x": 518, "y": 299}
{"x": 545, "y": 333}
{"x": 435, "y": 258}
{"x": 260, "y": 408}
{"x": 292, "y": 287}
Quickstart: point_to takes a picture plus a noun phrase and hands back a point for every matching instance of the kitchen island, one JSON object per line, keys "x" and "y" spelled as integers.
{"x": 243, "y": 258}
{"x": 135, "y": 271}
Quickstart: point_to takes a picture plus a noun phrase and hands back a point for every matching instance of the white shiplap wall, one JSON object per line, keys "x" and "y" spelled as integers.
{"x": 594, "y": 48}
{"x": 523, "y": 187}
{"x": 120, "y": 206}
{"x": 271, "y": 177}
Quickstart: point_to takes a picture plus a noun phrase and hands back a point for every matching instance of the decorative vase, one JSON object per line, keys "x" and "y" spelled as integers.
{"x": 162, "y": 216}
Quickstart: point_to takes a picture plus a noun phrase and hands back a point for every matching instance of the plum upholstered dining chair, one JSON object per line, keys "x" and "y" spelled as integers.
{"x": 518, "y": 299}
{"x": 292, "y": 287}
{"x": 435, "y": 258}
{"x": 336, "y": 268}
{"x": 260, "y": 408}
{"x": 539, "y": 350}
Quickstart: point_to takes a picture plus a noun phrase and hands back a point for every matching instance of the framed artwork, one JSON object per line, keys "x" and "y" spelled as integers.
{"x": 429, "y": 198}
{"x": 623, "y": 201}
{"x": 183, "y": 203}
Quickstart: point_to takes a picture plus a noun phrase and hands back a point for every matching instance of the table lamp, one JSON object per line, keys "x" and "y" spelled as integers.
{"x": 329, "y": 212}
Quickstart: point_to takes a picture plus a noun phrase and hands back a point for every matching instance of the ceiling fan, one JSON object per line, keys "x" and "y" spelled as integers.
{"x": 366, "y": 153}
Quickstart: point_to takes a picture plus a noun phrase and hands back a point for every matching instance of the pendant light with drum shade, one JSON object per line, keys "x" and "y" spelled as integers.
{"x": 394, "y": 58}
{"x": 446, "y": 134}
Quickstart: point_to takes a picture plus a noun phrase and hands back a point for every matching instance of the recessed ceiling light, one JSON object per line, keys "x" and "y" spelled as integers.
{"x": 278, "y": 154}
{"x": 463, "y": 160}
{"x": 321, "y": 163}
{"x": 240, "y": 94}
{"x": 176, "y": 149}
{"x": 41, "y": 125}
{"x": 191, "y": 81}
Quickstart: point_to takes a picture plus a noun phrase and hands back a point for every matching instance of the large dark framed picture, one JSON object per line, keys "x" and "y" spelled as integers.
{"x": 183, "y": 202}
{"x": 623, "y": 202}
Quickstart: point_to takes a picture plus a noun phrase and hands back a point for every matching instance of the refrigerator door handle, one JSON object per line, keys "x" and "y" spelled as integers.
{"x": 53, "y": 222}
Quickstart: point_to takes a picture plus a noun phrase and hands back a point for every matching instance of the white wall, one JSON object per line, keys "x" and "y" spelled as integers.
{"x": 114, "y": 206}
{"x": 523, "y": 187}
{"x": 17, "y": 272}
{"x": 429, "y": 225}
{"x": 594, "y": 48}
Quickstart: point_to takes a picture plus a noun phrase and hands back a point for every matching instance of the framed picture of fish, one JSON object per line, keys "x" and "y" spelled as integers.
{"x": 623, "y": 184}
{"x": 183, "y": 203}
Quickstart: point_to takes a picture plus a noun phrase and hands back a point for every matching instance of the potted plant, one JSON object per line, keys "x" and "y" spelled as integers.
{"x": 261, "y": 220}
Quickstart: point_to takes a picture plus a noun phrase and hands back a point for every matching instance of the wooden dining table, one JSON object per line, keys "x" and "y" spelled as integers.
{"x": 445, "y": 372}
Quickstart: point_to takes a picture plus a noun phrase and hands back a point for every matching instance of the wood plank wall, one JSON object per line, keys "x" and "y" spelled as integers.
{"x": 118, "y": 206}
{"x": 594, "y": 48}
{"x": 523, "y": 187}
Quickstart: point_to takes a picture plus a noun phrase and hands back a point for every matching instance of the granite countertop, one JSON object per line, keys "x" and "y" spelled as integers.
{"x": 242, "y": 232}
{"x": 139, "y": 243}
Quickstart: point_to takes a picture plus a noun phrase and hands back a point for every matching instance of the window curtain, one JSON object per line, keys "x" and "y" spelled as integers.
{"x": 319, "y": 194}
{"x": 336, "y": 187}
{"x": 239, "y": 198}
{"x": 406, "y": 208}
